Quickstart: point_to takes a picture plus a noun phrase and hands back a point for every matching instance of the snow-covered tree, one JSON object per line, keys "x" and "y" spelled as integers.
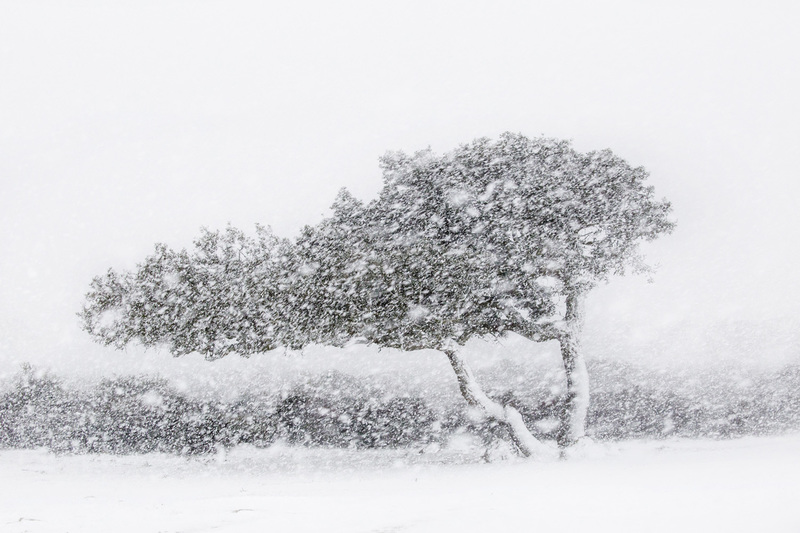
{"x": 491, "y": 238}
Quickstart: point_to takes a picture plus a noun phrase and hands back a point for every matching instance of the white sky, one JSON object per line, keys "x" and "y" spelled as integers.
{"x": 123, "y": 124}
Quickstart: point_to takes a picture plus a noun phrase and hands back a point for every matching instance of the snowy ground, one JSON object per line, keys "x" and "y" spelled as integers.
{"x": 743, "y": 485}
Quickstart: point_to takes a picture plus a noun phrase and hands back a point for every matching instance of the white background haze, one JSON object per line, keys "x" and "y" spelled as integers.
{"x": 123, "y": 124}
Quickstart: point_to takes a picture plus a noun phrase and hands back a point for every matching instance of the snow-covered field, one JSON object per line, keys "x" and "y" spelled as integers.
{"x": 742, "y": 485}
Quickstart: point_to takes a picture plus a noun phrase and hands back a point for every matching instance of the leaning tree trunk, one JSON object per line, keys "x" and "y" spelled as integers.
{"x": 526, "y": 443}
{"x": 573, "y": 423}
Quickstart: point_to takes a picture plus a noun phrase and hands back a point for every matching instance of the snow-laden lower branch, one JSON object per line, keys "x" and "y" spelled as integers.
{"x": 475, "y": 397}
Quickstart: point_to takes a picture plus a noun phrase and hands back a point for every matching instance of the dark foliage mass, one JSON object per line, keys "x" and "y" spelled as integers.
{"x": 146, "y": 414}
{"x": 480, "y": 241}
{"x": 627, "y": 404}
{"x": 338, "y": 410}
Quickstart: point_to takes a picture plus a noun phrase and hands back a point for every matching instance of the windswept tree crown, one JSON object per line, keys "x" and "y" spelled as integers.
{"x": 478, "y": 241}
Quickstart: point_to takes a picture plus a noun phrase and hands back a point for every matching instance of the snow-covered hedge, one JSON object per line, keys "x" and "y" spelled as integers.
{"x": 143, "y": 414}
{"x": 139, "y": 414}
